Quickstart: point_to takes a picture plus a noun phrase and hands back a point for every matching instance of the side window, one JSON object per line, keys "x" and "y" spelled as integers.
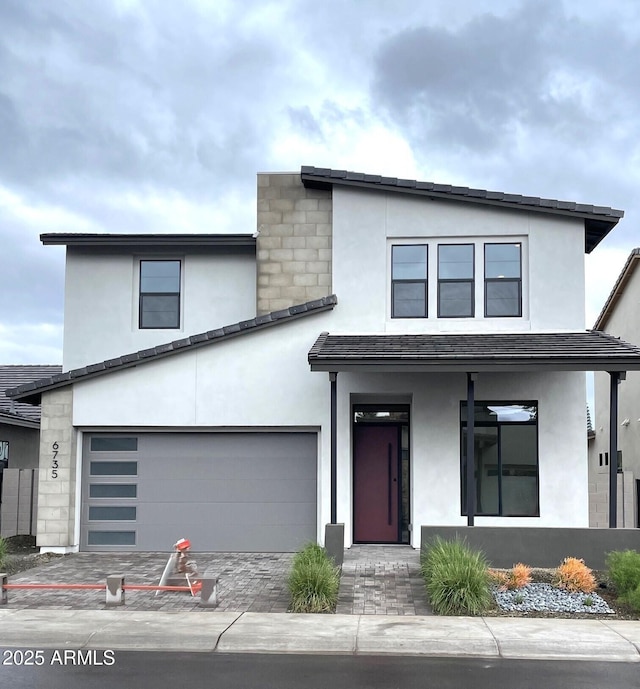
{"x": 159, "y": 294}
{"x": 409, "y": 281}
{"x": 456, "y": 293}
{"x": 502, "y": 280}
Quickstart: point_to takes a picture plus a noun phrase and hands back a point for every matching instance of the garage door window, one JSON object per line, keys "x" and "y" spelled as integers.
{"x": 113, "y": 490}
{"x": 99, "y": 514}
{"x": 111, "y": 538}
{"x": 114, "y": 444}
{"x": 114, "y": 468}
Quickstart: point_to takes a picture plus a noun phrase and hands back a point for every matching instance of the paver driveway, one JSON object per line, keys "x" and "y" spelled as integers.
{"x": 375, "y": 580}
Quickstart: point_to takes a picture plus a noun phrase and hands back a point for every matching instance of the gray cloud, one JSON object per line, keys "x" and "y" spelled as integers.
{"x": 536, "y": 68}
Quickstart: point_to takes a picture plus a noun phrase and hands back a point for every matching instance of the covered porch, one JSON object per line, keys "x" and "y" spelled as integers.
{"x": 474, "y": 359}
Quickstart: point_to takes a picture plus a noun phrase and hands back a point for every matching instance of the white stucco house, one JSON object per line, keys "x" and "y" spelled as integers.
{"x": 245, "y": 390}
{"x": 620, "y": 316}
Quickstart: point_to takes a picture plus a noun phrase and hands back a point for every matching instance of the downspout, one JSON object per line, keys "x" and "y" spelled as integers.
{"x": 616, "y": 377}
{"x": 333, "y": 377}
{"x": 471, "y": 460}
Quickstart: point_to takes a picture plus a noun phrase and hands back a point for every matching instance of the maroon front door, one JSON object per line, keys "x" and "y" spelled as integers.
{"x": 375, "y": 484}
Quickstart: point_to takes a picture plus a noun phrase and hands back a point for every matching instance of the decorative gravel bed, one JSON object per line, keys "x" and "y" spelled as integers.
{"x": 547, "y": 598}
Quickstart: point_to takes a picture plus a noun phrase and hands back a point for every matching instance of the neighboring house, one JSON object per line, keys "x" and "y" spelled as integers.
{"x": 620, "y": 317}
{"x": 196, "y": 402}
{"x": 19, "y": 421}
{"x": 19, "y": 450}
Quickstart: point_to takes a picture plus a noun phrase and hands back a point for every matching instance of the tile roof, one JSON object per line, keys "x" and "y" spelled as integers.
{"x": 625, "y": 275}
{"x": 584, "y": 351}
{"x": 31, "y": 391}
{"x": 12, "y": 376}
{"x": 599, "y": 220}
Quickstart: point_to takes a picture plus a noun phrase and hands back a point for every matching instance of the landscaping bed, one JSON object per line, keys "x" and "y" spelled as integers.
{"x": 459, "y": 581}
{"x": 604, "y": 590}
{"x": 22, "y": 554}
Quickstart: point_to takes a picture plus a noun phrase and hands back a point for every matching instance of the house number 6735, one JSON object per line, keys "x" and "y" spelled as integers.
{"x": 54, "y": 460}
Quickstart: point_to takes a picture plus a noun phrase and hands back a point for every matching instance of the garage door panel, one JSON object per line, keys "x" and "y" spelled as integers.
{"x": 274, "y": 539}
{"x": 248, "y": 514}
{"x": 218, "y": 490}
{"x": 247, "y": 492}
{"x": 175, "y": 468}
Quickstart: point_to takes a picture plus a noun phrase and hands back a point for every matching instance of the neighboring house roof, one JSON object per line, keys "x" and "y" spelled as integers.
{"x": 632, "y": 263}
{"x": 599, "y": 220}
{"x": 11, "y": 376}
{"x": 583, "y": 351}
{"x": 31, "y": 391}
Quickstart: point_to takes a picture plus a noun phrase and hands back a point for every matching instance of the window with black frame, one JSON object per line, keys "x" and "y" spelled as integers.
{"x": 409, "y": 281}
{"x": 159, "y": 294}
{"x": 456, "y": 293}
{"x": 502, "y": 280}
{"x": 506, "y": 458}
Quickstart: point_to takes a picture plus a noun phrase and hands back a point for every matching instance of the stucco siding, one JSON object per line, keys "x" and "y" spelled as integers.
{"x": 102, "y": 293}
{"x": 366, "y": 224}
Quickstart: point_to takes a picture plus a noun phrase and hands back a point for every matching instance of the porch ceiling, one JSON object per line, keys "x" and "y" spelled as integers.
{"x": 578, "y": 351}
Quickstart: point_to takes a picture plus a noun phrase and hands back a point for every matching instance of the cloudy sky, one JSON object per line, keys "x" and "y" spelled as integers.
{"x": 154, "y": 116}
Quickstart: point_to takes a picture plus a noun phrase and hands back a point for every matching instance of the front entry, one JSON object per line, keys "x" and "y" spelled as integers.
{"x": 380, "y": 479}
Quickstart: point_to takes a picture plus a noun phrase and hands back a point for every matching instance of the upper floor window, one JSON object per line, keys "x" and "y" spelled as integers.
{"x": 456, "y": 294}
{"x": 502, "y": 280}
{"x": 409, "y": 281}
{"x": 159, "y": 294}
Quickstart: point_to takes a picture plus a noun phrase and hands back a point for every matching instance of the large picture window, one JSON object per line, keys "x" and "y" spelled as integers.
{"x": 506, "y": 458}
{"x": 456, "y": 293}
{"x": 502, "y": 280}
{"x": 409, "y": 281}
{"x": 159, "y": 294}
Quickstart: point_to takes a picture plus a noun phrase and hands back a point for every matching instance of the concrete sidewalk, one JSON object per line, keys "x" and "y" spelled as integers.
{"x": 229, "y": 632}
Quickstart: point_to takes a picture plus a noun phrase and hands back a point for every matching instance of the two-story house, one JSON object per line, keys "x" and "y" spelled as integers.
{"x": 339, "y": 364}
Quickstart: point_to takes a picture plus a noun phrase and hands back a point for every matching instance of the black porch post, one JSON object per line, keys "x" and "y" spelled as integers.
{"x": 613, "y": 449}
{"x": 333, "y": 377}
{"x": 471, "y": 460}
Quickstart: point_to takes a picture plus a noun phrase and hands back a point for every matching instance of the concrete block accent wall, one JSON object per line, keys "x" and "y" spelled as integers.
{"x": 294, "y": 242}
{"x": 57, "y": 492}
{"x": 599, "y": 500}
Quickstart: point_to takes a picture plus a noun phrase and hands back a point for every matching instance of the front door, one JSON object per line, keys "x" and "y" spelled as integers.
{"x": 376, "y": 462}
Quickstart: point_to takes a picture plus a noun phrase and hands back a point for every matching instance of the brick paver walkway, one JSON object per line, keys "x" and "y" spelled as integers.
{"x": 375, "y": 580}
{"x": 382, "y": 580}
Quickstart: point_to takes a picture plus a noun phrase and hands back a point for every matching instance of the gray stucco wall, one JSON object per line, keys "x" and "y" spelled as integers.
{"x": 24, "y": 445}
{"x": 539, "y": 547}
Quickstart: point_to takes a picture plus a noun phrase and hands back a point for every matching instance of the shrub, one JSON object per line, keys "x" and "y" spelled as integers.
{"x": 573, "y": 575}
{"x": 499, "y": 578}
{"x": 456, "y": 578}
{"x": 314, "y": 581}
{"x": 633, "y": 598}
{"x": 515, "y": 578}
{"x": 519, "y": 576}
{"x": 3, "y": 551}
{"x": 624, "y": 570}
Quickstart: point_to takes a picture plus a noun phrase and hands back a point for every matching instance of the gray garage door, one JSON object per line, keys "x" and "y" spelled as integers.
{"x": 243, "y": 492}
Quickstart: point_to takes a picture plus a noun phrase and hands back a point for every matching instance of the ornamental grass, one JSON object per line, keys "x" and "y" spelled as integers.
{"x": 456, "y": 578}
